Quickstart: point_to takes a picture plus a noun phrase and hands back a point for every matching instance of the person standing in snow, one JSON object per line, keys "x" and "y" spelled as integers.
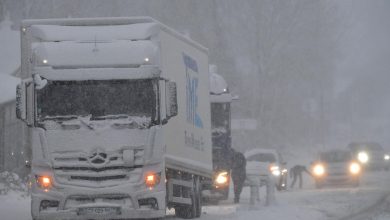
{"x": 296, "y": 172}
{"x": 238, "y": 174}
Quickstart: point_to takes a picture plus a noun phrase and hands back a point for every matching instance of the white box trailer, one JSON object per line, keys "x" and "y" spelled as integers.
{"x": 119, "y": 113}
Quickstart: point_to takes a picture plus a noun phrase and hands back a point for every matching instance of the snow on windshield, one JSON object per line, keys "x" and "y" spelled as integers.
{"x": 269, "y": 158}
{"x": 336, "y": 156}
{"x": 96, "y": 98}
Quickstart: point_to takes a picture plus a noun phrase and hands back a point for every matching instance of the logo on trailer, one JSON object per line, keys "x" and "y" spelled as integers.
{"x": 192, "y": 78}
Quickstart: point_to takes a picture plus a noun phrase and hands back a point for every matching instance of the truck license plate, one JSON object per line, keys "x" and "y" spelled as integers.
{"x": 99, "y": 211}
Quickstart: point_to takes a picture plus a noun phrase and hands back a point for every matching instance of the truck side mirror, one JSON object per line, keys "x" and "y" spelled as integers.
{"x": 171, "y": 99}
{"x": 21, "y": 104}
{"x": 22, "y": 101}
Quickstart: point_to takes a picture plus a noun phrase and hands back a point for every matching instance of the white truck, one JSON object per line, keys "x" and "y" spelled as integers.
{"x": 119, "y": 114}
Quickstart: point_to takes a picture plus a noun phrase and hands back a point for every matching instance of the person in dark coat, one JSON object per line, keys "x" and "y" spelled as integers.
{"x": 296, "y": 172}
{"x": 238, "y": 174}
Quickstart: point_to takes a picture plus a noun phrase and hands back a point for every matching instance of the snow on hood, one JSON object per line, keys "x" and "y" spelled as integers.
{"x": 8, "y": 88}
{"x": 10, "y": 49}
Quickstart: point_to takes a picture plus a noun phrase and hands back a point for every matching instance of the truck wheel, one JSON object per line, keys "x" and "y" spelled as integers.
{"x": 198, "y": 196}
{"x": 189, "y": 211}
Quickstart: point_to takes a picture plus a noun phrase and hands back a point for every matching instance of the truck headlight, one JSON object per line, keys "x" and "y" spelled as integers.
{"x": 274, "y": 170}
{"x": 386, "y": 157}
{"x": 44, "y": 182}
{"x": 363, "y": 157}
{"x": 319, "y": 170}
{"x": 221, "y": 178}
{"x": 354, "y": 168}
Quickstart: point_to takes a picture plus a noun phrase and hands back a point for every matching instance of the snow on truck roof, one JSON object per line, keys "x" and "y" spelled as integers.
{"x": 260, "y": 151}
{"x": 97, "y": 42}
{"x": 219, "y": 92}
{"x": 52, "y": 33}
{"x": 123, "y": 26}
{"x": 218, "y": 84}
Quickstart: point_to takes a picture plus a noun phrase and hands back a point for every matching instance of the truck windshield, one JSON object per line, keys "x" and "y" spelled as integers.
{"x": 220, "y": 124}
{"x": 97, "y": 98}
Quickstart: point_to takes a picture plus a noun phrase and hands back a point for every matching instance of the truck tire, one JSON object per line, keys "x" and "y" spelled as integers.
{"x": 198, "y": 197}
{"x": 193, "y": 210}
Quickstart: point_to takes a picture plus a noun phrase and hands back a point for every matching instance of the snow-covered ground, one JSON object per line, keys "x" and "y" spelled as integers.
{"x": 297, "y": 204}
{"x": 308, "y": 203}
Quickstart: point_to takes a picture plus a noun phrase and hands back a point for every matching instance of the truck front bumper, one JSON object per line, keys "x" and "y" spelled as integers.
{"x": 121, "y": 202}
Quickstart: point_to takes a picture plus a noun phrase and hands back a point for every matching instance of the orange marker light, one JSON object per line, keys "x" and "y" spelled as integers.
{"x": 152, "y": 179}
{"x": 44, "y": 182}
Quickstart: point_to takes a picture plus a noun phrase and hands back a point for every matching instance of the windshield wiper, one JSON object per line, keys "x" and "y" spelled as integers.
{"x": 60, "y": 118}
{"x": 104, "y": 117}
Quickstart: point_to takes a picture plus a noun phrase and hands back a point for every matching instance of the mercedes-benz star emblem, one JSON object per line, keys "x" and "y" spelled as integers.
{"x": 98, "y": 157}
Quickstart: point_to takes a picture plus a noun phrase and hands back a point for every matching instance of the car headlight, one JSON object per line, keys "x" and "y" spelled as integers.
{"x": 362, "y": 157}
{"x": 274, "y": 170}
{"x": 354, "y": 168}
{"x": 221, "y": 178}
{"x": 386, "y": 157}
{"x": 319, "y": 170}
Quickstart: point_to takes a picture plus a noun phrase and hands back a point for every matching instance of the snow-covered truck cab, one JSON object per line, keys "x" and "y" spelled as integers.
{"x": 119, "y": 116}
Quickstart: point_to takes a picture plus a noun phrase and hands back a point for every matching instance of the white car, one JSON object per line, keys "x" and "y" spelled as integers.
{"x": 336, "y": 167}
{"x": 264, "y": 163}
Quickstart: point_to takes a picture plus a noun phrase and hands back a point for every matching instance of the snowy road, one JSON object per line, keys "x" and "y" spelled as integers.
{"x": 308, "y": 203}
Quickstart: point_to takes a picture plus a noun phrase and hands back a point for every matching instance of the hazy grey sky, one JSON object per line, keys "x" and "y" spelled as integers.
{"x": 366, "y": 43}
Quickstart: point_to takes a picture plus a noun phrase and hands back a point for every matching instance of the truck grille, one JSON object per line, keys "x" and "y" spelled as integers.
{"x": 97, "y": 169}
